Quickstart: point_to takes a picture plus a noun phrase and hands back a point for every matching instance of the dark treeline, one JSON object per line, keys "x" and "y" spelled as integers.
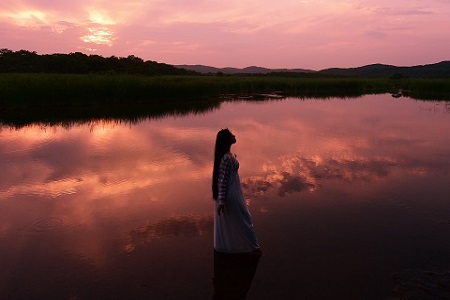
{"x": 24, "y": 61}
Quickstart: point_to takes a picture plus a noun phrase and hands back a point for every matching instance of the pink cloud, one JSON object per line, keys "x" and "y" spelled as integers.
{"x": 296, "y": 34}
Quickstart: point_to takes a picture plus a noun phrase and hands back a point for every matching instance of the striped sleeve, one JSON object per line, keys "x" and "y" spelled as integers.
{"x": 224, "y": 171}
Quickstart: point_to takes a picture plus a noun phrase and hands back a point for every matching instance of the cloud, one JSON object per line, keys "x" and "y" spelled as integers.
{"x": 99, "y": 35}
{"x": 173, "y": 226}
{"x": 293, "y": 174}
{"x": 306, "y": 34}
{"x": 61, "y": 162}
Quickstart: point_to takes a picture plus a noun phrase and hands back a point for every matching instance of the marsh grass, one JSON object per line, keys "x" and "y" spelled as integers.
{"x": 26, "y": 98}
{"x": 426, "y": 88}
{"x": 61, "y": 89}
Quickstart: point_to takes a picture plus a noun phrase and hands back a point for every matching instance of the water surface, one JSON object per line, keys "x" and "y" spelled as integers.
{"x": 349, "y": 198}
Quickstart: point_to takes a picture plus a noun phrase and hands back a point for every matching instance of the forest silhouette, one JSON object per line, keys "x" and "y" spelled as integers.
{"x": 24, "y": 61}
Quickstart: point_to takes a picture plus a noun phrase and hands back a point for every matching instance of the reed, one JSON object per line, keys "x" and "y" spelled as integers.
{"x": 426, "y": 88}
{"x": 63, "y": 89}
{"x": 26, "y": 98}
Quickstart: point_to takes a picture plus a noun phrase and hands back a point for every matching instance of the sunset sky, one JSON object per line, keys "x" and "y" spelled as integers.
{"x": 310, "y": 34}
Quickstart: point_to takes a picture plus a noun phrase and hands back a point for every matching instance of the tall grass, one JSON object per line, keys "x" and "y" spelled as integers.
{"x": 69, "y": 90}
{"x": 426, "y": 88}
{"x": 25, "y": 98}
{"x": 59, "y": 89}
{"x": 55, "y": 98}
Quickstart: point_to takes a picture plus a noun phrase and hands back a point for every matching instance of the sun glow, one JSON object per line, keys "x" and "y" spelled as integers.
{"x": 27, "y": 17}
{"x": 99, "y": 36}
{"x": 102, "y": 18}
{"x": 99, "y": 29}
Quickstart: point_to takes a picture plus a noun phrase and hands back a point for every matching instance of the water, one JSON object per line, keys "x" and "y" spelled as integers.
{"x": 349, "y": 198}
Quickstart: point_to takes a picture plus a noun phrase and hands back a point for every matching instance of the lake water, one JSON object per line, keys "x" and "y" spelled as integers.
{"x": 349, "y": 197}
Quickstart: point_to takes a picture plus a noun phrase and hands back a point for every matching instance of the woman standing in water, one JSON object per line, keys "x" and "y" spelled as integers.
{"x": 233, "y": 226}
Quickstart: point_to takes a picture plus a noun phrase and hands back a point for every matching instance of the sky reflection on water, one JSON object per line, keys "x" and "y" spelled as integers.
{"x": 340, "y": 189}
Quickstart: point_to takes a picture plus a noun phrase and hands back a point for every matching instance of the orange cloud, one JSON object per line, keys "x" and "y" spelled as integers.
{"x": 296, "y": 34}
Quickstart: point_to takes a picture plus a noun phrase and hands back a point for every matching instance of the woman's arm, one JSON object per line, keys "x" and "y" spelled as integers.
{"x": 224, "y": 171}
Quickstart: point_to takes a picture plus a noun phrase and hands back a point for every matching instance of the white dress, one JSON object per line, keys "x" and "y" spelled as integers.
{"x": 233, "y": 229}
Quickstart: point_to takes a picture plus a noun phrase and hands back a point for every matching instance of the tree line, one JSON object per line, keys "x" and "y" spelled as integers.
{"x": 24, "y": 61}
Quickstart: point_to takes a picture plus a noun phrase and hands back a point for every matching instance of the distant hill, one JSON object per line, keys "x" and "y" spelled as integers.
{"x": 437, "y": 70}
{"x": 248, "y": 70}
{"x": 24, "y": 61}
{"x": 441, "y": 69}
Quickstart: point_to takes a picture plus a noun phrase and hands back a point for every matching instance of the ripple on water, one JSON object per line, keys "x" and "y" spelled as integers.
{"x": 422, "y": 284}
{"x": 173, "y": 226}
{"x": 47, "y": 224}
{"x": 430, "y": 214}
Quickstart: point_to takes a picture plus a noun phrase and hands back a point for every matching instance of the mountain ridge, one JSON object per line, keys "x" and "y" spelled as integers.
{"x": 440, "y": 69}
{"x": 231, "y": 70}
{"x": 24, "y": 61}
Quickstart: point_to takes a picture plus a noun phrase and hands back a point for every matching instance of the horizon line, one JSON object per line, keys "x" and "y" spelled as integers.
{"x": 229, "y": 67}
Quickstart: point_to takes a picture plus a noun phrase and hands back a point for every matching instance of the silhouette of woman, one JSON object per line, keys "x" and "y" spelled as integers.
{"x": 233, "y": 275}
{"x": 233, "y": 226}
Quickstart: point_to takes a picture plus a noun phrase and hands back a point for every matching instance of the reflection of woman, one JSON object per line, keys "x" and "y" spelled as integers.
{"x": 233, "y": 275}
{"x": 233, "y": 226}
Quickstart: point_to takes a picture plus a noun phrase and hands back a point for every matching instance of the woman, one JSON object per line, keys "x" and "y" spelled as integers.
{"x": 233, "y": 226}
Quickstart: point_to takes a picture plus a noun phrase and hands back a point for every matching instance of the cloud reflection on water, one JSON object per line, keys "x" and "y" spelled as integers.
{"x": 296, "y": 174}
{"x": 116, "y": 159}
{"x": 93, "y": 190}
{"x": 174, "y": 226}
{"x": 113, "y": 160}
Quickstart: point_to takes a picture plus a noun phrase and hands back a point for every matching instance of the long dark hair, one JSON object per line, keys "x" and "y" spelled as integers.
{"x": 223, "y": 145}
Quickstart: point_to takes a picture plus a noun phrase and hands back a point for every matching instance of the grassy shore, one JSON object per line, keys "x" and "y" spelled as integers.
{"x": 426, "y": 88}
{"x": 28, "y": 97}
{"x": 61, "y": 89}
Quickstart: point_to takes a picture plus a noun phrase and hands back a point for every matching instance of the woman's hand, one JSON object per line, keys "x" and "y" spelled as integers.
{"x": 220, "y": 209}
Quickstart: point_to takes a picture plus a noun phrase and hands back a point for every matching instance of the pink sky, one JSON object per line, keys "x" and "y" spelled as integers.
{"x": 311, "y": 34}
